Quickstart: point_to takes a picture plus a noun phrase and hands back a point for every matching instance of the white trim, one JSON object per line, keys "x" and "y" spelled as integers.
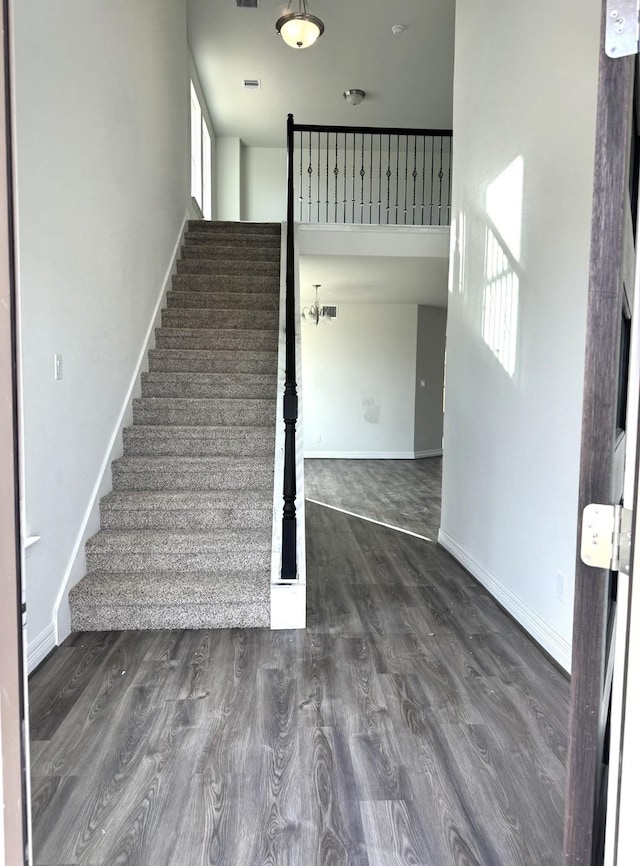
{"x": 435, "y": 452}
{"x": 41, "y": 646}
{"x": 370, "y": 520}
{"x": 547, "y": 637}
{"x": 76, "y": 567}
{"x": 365, "y": 228}
{"x": 362, "y": 455}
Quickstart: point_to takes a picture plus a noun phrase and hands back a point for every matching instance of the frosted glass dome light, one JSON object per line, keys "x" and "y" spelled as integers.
{"x": 299, "y": 29}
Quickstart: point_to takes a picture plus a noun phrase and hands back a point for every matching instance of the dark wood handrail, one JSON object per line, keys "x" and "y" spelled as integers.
{"x": 372, "y": 130}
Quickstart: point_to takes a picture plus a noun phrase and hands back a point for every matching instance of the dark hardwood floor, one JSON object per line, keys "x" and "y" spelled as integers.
{"x": 411, "y": 724}
{"x": 402, "y": 493}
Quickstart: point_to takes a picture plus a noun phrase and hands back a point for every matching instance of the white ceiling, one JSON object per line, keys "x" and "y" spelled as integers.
{"x": 408, "y": 78}
{"x": 374, "y": 280}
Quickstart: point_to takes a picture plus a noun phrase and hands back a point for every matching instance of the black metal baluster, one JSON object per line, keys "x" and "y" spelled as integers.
{"x": 424, "y": 175}
{"x": 414, "y": 175}
{"x": 310, "y": 173}
{"x": 370, "y": 176}
{"x": 336, "y": 172}
{"x": 327, "y": 213}
{"x": 380, "y": 181}
{"x": 300, "y": 190}
{"x": 353, "y": 181}
{"x": 362, "y": 176}
{"x": 344, "y": 199}
{"x": 389, "y": 179}
{"x": 440, "y": 176}
{"x": 290, "y": 402}
{"x": 318, "y": 180}
{"x": 397, "y": 174}
{"x": 433, "y": 147}
{"x": 406, "y": 175}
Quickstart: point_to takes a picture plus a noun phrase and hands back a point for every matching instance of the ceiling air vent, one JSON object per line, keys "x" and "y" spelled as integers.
{"x": 330, "y": 312}
{"x": 252, "y": 84}
{"x": 247, "y": 4}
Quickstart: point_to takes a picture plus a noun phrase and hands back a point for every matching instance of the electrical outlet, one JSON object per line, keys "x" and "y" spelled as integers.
{"x": 560, "y": 586}
{"x": 318, "y": 439}
{"x": 57, "y": 366}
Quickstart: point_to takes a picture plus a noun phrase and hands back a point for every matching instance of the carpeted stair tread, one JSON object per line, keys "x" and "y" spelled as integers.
{"x": 246, "y": 267}
{"x": 244, "y": 240}
{"x": 195, "y": 510}
{"x": 212, "y": 361}
{"x": 220, "y": 318}
{"x": 235, "y": 226}
{"x": 107, "y": 600}
{"x": 205, "y": 385}
{"x": 225, "y": 339}
{"x": 222, "y": 472}
{"x": 220, "y": 411}
{"x": 169, "y": 550}
{"x": 227, "y": 284}
{"x": 174, "y": 440}
{"x": 201, "y": 255}
{"x": 223, "y": 300}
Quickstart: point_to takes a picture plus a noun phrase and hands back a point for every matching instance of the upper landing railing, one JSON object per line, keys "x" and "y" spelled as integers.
{"x": 371, "y": 175}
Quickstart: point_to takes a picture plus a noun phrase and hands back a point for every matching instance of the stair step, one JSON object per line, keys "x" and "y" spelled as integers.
{"x": 209, "y": 385}
{"x": 217, "y": 411}
{"x": 224, "y": 319}
{"x": 211, "y": 361}
{"x": 223, "y": 300}
{"x": 198, "y": 441}
{"x": 151, "y": 550}
{"x": 225, "y": 339}
{"x": 205, "y": 253}
{"x": 192, "y": 473}
{"x": 106, "y": 601}
{"x": 196, "y": 511}
{"x": 244, "y": 239}
{"x": 247, "y": 267}
{"x": 265, "y": 284}
{"x": 235, "y": 227}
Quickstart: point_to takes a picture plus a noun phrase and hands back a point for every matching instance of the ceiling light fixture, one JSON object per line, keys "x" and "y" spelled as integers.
{"x": 299, "y": 29}
{"x": 315, "y": 312}
{"x": 354, "y": 97}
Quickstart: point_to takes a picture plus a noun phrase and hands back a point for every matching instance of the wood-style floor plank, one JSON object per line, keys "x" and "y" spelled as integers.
{"x": 411, "y": 724}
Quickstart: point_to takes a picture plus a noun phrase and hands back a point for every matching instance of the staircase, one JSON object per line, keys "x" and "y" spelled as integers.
{"x": 185, "y": 538}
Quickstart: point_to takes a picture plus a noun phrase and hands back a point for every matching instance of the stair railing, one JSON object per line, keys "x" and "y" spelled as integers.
{"x": 367, "y": 175}
{"x": 290, "y": 403}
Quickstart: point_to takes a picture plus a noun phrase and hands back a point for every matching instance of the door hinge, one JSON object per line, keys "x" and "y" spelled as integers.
{"x": 606, "y": 537}
{"x": 623, "y": 28}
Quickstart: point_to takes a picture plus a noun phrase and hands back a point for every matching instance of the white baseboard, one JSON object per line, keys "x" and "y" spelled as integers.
{"x": 39, "y": 648}
{"x": 557, "y": 646}
{"x": 436, "y": 452}
{"x": 362, "y": 455}
{"x": 76, "y": 567}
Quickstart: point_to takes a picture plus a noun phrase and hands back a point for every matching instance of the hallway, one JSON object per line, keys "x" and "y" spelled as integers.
{"x": 411, "y": 723}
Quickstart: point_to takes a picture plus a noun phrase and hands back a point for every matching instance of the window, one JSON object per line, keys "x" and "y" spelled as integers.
{"x": 200, "y": 157}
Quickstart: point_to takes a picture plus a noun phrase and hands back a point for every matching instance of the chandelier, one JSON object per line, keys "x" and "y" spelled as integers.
{"x": 315, "y": 312}
{"x": 299, "y": 29}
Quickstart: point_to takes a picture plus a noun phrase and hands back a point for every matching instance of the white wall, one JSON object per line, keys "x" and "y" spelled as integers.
{"x": 264, "y": 184}
{"x": 432, "y": 322}
{"x": 359, "y": 382}
{"x": 101, "y": 126}
{"x": 524, "y": 121}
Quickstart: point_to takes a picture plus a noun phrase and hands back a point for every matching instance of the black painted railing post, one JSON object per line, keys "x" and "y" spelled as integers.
{"x": 290, "y": 403}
